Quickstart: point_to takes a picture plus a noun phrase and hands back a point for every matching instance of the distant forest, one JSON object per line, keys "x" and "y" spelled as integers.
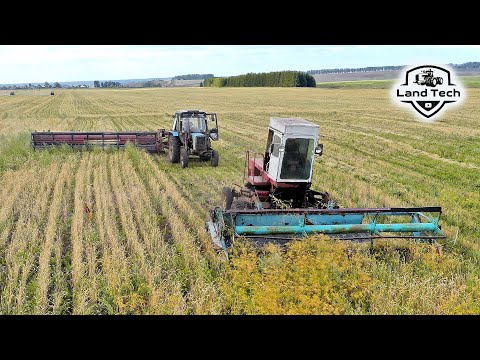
{"x": 467, "y": 65}
{"x": 46, "y": 85}
{"x": 271, "y": 79}
{"x": 193, "y": 77}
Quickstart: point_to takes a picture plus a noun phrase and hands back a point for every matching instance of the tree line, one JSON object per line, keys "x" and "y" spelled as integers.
{"x": 46, "y": 85}
{"x": 467, "y": 65}
{"x": 271, "y": 79}
{"x": 193, "y": 77}
{"x": 106, "y": 84}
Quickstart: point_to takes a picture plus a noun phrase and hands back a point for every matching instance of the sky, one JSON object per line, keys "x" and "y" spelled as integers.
{"x": 40, "y": 63}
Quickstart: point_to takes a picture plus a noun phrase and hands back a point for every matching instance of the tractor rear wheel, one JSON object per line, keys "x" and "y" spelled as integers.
{"x": 174, "y": 149}
{"x": 215, "y": 158}
{"x": 183, "y": 157}
{"x": 227, "y": 198}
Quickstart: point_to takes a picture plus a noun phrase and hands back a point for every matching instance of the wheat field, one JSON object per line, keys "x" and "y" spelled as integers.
{"x": 122, "y": 232}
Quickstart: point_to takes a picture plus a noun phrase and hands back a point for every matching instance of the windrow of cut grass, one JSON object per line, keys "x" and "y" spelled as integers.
{"x": 22, "y": 237}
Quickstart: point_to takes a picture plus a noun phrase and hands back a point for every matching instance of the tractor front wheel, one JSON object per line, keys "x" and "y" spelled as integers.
{"x": 174, "y": 149}
{"x": 204, "y": 158}
{"x": 227, "y": 198}
{"x": 215, "y": 158}
{"x": 184, "y": 158}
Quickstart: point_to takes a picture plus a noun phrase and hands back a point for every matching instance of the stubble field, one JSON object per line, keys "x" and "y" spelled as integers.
{"x": 122, "y": 232}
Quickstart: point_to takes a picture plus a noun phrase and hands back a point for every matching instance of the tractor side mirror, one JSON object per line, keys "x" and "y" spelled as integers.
{"x": 214, "y": 134}
{"x": 319, "y": 150}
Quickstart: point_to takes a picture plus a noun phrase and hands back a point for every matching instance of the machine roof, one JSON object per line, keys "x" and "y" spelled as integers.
{"x": 190, "y": 111}
{"x": 291, "y": 121}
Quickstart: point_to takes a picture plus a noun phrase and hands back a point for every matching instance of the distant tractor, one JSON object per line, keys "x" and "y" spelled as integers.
{"x": 12, "y": 93}
{"x": 52, "y": 93}
{"x": 427, "y": 78}
{"x": 191, "y": 135}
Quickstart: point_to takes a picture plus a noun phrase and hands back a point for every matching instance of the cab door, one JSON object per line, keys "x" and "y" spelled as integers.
{"x": 175, "y": 123}
{"x": 275, "y": 154}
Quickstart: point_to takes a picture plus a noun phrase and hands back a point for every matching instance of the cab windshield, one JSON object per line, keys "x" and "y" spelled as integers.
{"x": 297, "y": 160}
{"x": 197, "y": 124}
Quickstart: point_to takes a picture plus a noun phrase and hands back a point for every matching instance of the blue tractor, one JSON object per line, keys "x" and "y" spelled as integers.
{"x": 191, "y": 136}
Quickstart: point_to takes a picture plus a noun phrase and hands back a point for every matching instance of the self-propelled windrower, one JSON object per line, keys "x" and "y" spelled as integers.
{"x": 277, "y": 204}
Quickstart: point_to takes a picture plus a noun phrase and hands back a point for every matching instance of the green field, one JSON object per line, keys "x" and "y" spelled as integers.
{"x": 122, "y": 232}
{"x": 357, "y": 84}
{"x": 470, "y": 81}
{"x": 467, "y": 81}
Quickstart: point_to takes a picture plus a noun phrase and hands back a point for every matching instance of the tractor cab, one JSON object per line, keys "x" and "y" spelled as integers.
{"x": 196, "y": 122}
{"x": 291, "y": 146}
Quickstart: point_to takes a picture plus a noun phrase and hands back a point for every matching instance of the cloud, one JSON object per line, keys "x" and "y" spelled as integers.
{"x": 335, "y": 48}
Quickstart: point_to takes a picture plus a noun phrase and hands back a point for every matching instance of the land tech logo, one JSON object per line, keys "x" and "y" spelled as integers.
{"x": 426, "y": 89}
